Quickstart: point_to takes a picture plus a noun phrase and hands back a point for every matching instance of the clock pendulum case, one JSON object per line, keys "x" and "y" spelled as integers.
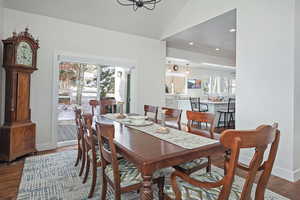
{"x": 17, "y": 135}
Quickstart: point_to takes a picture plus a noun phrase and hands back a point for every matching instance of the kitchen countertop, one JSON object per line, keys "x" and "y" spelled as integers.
{"x": 206, "y": 101}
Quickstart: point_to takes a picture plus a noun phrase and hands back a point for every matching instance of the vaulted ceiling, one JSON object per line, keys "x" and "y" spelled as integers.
{"x": 106, "y": 14}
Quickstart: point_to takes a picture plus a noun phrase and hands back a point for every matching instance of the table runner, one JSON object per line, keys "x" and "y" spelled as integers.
{"x": 177, "y": 137}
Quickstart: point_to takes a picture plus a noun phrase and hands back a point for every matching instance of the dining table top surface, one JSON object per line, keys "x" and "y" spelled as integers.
{"x": 147, "y": 148}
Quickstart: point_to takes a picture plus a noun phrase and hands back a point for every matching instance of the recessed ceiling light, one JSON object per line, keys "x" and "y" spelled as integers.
{"x": 218, "y": 49}
{"x": 232, "y": 30}
{"x": 191, "y": 43}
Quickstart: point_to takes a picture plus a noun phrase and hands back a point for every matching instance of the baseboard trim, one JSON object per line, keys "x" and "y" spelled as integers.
{"x": 296, "y": 175}
{"x": 289, "y": 175}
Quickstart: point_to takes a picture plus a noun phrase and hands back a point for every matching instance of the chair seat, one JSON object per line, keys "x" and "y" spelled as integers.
{"x": 129, "y": 174}
{"x": 190, "y": 192}
{"x": 193, "y": 164}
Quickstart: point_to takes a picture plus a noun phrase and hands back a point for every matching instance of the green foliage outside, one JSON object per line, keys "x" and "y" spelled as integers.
{"x": 107, "y": 82}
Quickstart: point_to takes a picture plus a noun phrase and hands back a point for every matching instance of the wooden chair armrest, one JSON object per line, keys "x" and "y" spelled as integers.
{"x": 192, "y": 181}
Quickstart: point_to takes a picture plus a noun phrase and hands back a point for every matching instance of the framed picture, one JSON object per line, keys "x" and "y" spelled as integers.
{"x": 194, "y": 84}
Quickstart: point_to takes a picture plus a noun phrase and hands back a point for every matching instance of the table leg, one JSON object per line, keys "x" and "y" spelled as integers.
{"x": 146, "y": 193}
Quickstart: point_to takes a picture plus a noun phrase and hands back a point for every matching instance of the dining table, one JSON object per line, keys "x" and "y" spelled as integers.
{"x": 149, "y": 152}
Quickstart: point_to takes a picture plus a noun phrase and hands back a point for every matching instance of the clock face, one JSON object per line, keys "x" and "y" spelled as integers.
{"x": 24, "y": 54}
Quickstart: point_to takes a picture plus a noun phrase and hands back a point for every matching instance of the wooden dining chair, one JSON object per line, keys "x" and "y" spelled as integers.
{"x": 94, "y": 104}
{"x": 173, "y": 118}
{"x": 92, "y": 153}
{"x": 153, "y": 110}
{"x": 80, "y": 140}
{"x": 120, "y": 174}
{"x": 108, "y": 106}
{"x": 214, "y": 186}
{"x": 199, "y": 117}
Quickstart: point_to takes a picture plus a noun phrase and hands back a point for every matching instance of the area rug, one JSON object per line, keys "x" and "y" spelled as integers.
{"x": 54, "y": 177}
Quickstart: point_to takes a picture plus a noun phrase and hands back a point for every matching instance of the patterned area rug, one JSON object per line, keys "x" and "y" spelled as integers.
{"x": 54, "y": 177}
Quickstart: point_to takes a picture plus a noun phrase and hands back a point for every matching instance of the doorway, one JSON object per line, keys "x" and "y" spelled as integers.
{"x": 78, "y": 83}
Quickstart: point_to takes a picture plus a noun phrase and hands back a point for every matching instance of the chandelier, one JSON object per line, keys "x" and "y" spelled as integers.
{"x": 136, "y": 4}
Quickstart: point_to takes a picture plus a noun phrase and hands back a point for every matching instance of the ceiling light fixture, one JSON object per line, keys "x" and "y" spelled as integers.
{"x": 136, "y": 4}
{"x": 218, "y": 49}
{"x": 233, "y": 30}
{"x": 191, "y": 43}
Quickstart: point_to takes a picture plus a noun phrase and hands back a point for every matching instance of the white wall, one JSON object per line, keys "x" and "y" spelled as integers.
{"x": 2, "y": 75}
{"x": 58, "y": 35}
{"x": 297, "y": 87}
{"x": 198, "y": 57}
{"x": 265, "y": 60}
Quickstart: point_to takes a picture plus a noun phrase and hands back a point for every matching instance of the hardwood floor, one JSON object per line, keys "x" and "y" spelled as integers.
{"x": 10, "y": 176}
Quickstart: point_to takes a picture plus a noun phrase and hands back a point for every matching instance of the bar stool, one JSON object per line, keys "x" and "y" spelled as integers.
{"x": 196, "y": 105}
{"x": 228, "y": 115}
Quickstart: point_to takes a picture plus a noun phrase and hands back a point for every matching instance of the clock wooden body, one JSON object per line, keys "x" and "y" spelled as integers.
{"x": 17, "y": 135}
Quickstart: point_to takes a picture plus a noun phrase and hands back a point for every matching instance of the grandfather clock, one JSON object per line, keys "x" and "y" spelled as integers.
{"x": 17, "y": 135}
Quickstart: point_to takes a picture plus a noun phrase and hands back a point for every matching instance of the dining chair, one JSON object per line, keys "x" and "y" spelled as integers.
{"x": 80, "y": 140}
{"x": 196, "y": 105}
{"x": 108, "y": 106}
{"x": 120, "y": 174}
{"x": 229, "y": 112}
{"x": 94, "y": 104}
{"x": 173, "y": 117}
{"x": 92, "y": 152}
{"x": 208, "y": 131}
{"x": 222, "y": 187}
{"x": 153, "y": 110}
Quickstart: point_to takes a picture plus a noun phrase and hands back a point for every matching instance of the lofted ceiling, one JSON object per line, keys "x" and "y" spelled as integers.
{"x": 106, "y": 14}
{"x": 209, "y": 36}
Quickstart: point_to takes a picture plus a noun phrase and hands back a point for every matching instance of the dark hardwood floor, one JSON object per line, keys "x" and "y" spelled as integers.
{"x": 10, "y": 176}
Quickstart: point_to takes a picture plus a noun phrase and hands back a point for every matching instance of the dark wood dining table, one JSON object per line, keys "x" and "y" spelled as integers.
{"x": 150, "y": 153}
